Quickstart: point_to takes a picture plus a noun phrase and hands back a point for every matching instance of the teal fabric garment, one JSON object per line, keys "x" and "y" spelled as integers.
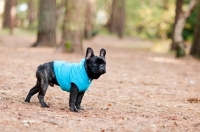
{"x": 66, "y": 73}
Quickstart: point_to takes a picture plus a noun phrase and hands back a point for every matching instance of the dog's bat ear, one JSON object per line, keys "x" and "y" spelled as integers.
{"x": 89, "y": 53}
{"x": 102, "y": 53}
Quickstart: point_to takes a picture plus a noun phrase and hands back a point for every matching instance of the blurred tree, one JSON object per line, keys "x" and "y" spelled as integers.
{"x": 46, "y": 35}
{"x": 195, "y": 50}
{"x": 72, "y": 31}
{"x": 89, "y": 19}
{"x": 178, "y": 29}
{"x": 188, "y": 32}
{"x": 117, "y": 18}
{"x": 59, "y": 8}
{"x": 10, "y": 14}
{"x": 30, "y": 12}
{"x": 2, "y": 3}
{"x": 178, "y": 11}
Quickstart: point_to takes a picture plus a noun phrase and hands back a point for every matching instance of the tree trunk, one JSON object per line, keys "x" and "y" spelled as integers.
{"x": 30, "y": 12}
{"x": 59, "y": 8}
{"x": 72, "y": 31}
{"x": 117, "y": 18}
{"x": 178, "y": 39}
{"x": 178, "y": 11}
{"x": 113, "y": 17}
{"x": 121, "y": 21}
{"x": 89, "y": 19}
{"x": 10, "y": 14}
{"x": 2, "y": 5}
{"x": 46, "y": 35}
{"x": 195, "y": 50}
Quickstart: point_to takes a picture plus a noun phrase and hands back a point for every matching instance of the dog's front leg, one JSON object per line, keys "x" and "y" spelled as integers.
{"x": 78, "y": 100}
{"x": 72, "y": 97}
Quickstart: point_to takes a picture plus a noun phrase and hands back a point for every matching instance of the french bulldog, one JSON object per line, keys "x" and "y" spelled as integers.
{"x": 71, "y": 77}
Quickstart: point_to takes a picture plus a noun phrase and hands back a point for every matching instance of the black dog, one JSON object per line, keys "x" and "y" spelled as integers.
{"x": 71, "y": 77}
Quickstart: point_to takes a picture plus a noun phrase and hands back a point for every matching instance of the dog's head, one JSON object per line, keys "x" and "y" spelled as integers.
{"x": 95, "y": 65}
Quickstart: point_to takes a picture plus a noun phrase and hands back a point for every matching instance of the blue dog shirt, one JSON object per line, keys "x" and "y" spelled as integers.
{"x": 67, "y": 73}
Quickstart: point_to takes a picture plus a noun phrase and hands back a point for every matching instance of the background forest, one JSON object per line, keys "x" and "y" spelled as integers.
{"x": 74, "y": 20}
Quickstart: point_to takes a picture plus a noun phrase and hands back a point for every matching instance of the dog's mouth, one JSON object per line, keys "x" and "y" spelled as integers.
{"x": 96, "y": 76}
{"x": 103, "y": 71}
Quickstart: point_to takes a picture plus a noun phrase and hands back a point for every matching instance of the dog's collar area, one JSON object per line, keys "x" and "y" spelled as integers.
{"x": 87, "y": 71}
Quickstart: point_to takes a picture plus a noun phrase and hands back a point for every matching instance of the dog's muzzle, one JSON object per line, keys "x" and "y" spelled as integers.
{"x": 103, "y": 70}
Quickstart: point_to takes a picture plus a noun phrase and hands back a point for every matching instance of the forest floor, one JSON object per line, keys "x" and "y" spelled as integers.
{"x": 142, "y": 91}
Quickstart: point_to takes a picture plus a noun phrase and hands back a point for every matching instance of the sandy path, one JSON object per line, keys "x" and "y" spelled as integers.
{"x": 141, "y": 91}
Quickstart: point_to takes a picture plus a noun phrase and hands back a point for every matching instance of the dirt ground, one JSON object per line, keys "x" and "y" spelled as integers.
{"x": 141, "y": 91}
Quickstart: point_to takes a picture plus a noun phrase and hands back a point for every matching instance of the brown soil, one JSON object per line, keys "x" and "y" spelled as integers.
{"x": 141, "y": 91}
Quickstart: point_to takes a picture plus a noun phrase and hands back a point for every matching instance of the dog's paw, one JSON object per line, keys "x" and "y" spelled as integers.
{"x": 78, "y": 107}
{"x": 44, "y": 105}
{"x": 73, "y": 110}
{"x": 26, "y": 100}
{"x": 81, "y": 109}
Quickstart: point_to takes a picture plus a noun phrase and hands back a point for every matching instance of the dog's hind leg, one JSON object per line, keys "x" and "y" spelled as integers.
{"x": 43, "y": 85}
{"x": 33, "y": 91}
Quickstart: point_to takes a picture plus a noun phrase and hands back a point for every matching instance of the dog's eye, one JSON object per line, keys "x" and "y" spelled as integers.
{"x": 99, "y": 62}
{"x": 94, "y": 63}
